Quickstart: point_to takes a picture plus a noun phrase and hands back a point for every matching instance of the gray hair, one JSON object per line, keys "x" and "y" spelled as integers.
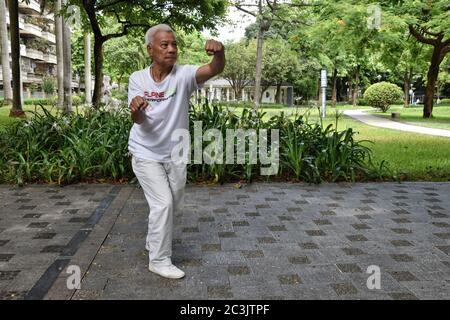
{"x": 150, "y": 35}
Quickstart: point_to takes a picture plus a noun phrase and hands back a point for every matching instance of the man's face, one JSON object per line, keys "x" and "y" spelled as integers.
{"x": 163, "y": 50}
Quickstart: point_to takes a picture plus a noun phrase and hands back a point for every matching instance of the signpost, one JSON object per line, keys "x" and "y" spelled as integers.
{"x": 323, "y": 85}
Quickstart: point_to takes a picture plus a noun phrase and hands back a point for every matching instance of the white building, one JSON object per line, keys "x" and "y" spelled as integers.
{"x": 220, "y": 90}
{"x": 37, "y": 48}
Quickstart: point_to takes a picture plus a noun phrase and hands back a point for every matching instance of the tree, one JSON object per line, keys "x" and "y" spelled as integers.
{"x": 444, "y": 77}
{"x": 191, "y": 48}
{"x": 67, "y": 59}
{"x": 280, "y": 64}
{"x": 264, "y": 20}
{"x": 130, "y": 14}
{"x": 87, "y": 68}
{"x": 428, "y": 22}
{"x": 404, "y": 60}
{"x": 59, "y": 51}
{"x": 265, "y": 16}
{"x": 16, "y": 110}
{"x": 5, "y": 55}
{"x": 239, "y": 73}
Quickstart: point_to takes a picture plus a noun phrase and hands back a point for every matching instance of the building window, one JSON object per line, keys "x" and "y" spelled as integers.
{"x": 267, "y": 95}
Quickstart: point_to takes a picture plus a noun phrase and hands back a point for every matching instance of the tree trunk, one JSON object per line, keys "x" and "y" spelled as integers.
{"x": 67, "y": 67}
{"x": 259, "y": 53}
{"x": 16, "y": 110}
{"x": 356, "y": 88}
{"x": 59, "y": 53}
{"x": 6, "y": 70}
{"x": 432, "y": 76}
{"x": 98, "y": 67}
{"x": 334, "y": 90}
{"x": 278, "y": 94}
{"x": 407, "y": 86}
{"x": 87, "y": 68}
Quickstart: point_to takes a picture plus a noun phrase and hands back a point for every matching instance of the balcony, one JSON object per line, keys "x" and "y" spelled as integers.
{"x": 23, "y": 49}
{"x": 35, "y": 54}
{"x": 33, "y": 78}
{"x": 31, "y": 7}
{"x": 49, "y": 36}
{"x": 21, "y": 21}
{"x": 49, "y": 16}
{"x": 50, "y": 58}
{"x": 31, "y": 29}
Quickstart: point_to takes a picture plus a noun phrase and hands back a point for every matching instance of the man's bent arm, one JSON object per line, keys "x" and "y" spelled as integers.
{"x": 216, "y": 66}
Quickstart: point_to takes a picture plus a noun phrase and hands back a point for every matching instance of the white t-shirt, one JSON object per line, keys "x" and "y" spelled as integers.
{"x": 167, "y": 111}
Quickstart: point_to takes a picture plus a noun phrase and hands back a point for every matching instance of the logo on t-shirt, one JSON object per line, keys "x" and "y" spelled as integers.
{"x": 155, "y": 96}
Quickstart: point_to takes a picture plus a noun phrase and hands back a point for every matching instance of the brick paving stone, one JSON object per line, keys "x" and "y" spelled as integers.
{"x": 402, "y": 296}
{"x": 289, "y": 279}
{"x": 262, "y": 241}
{"x": 342, "y": 289}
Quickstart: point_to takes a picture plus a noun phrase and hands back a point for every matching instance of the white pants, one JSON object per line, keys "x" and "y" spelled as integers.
{"x": 163, "y": 185}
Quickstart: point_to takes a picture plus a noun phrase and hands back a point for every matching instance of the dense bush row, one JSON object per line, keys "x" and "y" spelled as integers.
{"x": 72, "y": 148}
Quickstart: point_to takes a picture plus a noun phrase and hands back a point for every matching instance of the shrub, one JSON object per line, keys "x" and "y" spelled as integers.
{"x": 444, "y": 102}
{"x": 49, "y": 84}
{"x": 94, "y": 146}
{"x": 362, "y": 102}
{"x": 76, "y": 100}
{"x": 382, "y": 95}
{"x": 66, "y": 148}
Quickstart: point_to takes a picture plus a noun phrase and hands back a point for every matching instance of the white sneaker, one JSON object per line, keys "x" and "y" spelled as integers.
{"x": 170, "y": 272}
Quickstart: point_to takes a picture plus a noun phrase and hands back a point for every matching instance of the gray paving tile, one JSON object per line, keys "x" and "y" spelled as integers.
{"x": 265, "y": 240}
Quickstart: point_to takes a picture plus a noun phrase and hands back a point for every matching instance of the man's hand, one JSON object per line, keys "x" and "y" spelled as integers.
{"x": 206, "y": 72}
{"x": 212, "y": 47}
{"x": 137, "y": 105}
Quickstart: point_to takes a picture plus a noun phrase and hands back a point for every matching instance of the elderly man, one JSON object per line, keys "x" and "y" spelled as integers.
{"x": 158, "y": 97}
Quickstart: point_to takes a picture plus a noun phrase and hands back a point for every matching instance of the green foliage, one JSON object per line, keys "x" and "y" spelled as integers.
{"x": 382, "y": 95}
{"x": 72, "y": 148}
{"x": 49, "y": 84}
{"x": 191, "y": 47}
{"x": 445, "y": 102}
{"x": 121, "y": 95}
{"x": 240, "y": 68}
{"x": 36, "y": 101}
{"x": 123, "y": 56}
{"x": 76, "y": 100}
{"x": 66, "y": 148}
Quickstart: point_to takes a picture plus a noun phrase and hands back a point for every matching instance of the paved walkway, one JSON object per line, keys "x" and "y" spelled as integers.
{"x": 372, "y": 120}
{"x": 262, "y": 241}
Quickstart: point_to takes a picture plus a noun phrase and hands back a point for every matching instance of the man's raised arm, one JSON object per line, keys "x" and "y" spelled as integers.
{"x": 216, "y": 66}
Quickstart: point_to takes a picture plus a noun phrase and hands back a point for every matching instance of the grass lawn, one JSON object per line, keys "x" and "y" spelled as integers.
{"x": 5, "y": 119}
{"x": 413, "y": 115}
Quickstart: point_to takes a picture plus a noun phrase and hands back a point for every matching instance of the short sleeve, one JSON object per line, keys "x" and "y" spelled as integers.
{"x": 189, "y": 72}
{"x": 133, "y": 88}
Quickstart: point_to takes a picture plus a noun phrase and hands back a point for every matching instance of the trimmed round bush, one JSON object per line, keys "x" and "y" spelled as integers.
{"x": 76, "y": 100}
{"x": 382, "y": 95}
